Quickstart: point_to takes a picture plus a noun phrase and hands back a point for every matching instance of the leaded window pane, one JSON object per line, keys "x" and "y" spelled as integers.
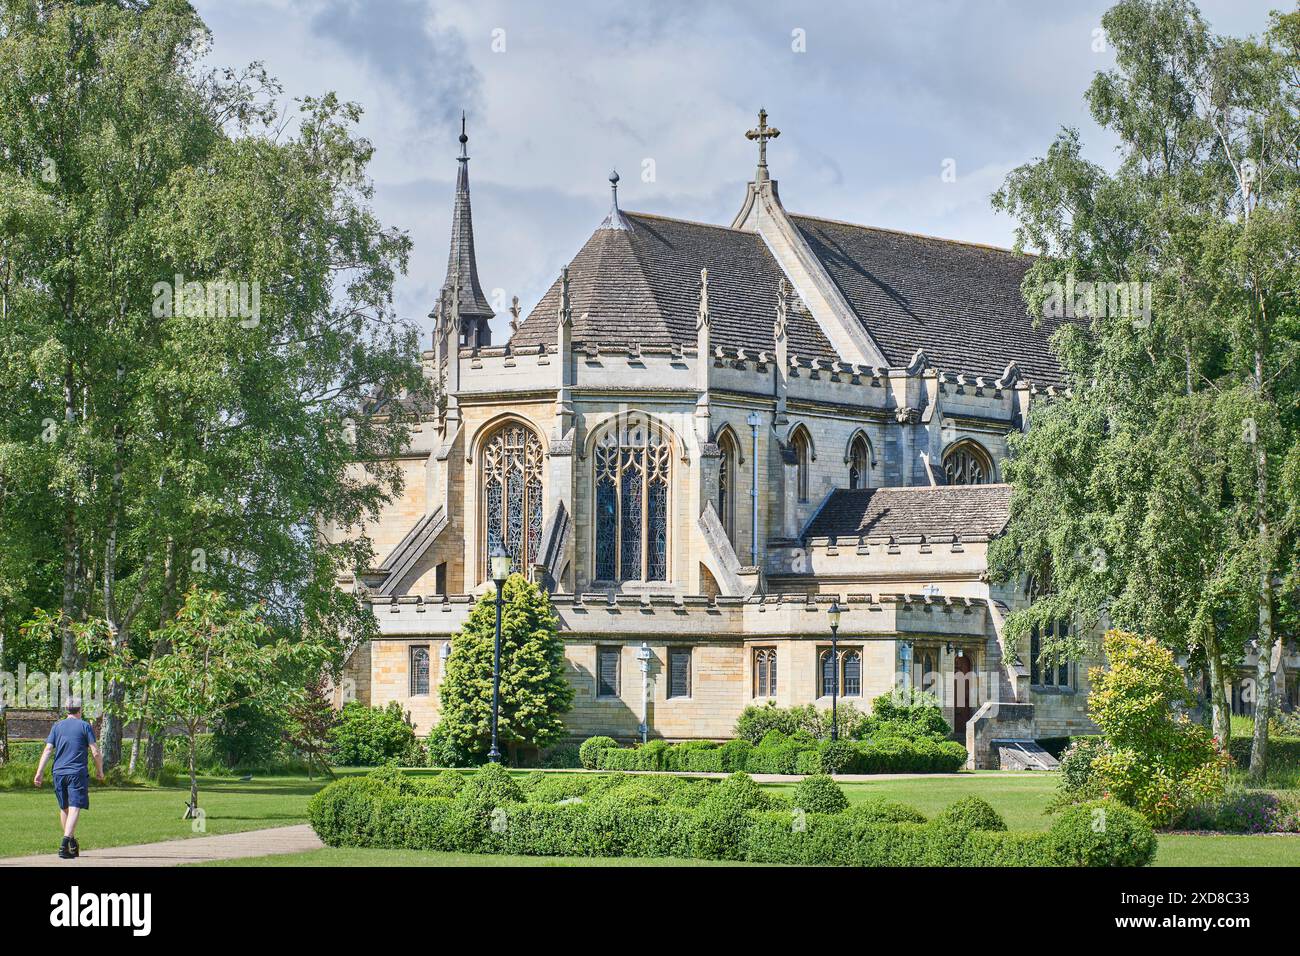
{"x": 679, "y": 672}
{"x": 632, "y": 473}
{"x": 419, "y": 671}
{"x": 827, "y": 674}
{"x": 512, "y": 494}
{"x": 852, "y": 674}
{"x": 607, "y": 672}
{"x": 966, "y": 465}
{"x": 631, "y": 504}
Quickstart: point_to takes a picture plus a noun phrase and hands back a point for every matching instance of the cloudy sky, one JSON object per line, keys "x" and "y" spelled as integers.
{"x": 873, "y": 99}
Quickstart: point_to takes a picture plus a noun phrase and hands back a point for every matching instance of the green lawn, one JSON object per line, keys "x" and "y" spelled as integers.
{"x": 142, "y": 815}
{"x": 118, "y": 817}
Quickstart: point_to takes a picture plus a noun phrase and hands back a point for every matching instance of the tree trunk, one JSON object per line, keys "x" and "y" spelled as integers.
{"x": 1220, "y": 712}
{"x": 1266, "y": 636}
{"x": 154, "y": 755}
{"x": 193, "y": 809}
{"x": 70, "y": 553}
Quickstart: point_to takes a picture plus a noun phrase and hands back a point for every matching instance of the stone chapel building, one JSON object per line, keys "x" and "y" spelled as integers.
{"x": 701, "y": 437}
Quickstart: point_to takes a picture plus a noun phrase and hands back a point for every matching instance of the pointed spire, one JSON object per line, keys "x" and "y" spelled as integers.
{"x": 615, "y": 220}
{"x": 782, "y": 310}
{"x": 472, "y": 309}
{"x": 566, "y": 308}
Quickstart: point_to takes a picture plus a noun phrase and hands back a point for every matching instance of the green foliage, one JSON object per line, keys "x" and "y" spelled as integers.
{"x": 535, "y": 693}
{"x": 562, "y": 757}
{"x": 491, "y": 786}
{"x": 911, "y": 718}
{"x": 445, "y": 751}
{"x": 819, "y": 794}
{"x": 1101, "y": 833}
{"x": 757, "y": 720}
{"x": 1165, "y": 486}
{"x": 250, "y": 735}
{"x": 1154, "y": 759}
{"x": 589, "y": 751}
{"x": 878, "y": 810}
{"x": 971, "y": 813}
{"x": 1246, "y": 811}
{"x": 648, "y": 817}
{"x": 370, "y": 736}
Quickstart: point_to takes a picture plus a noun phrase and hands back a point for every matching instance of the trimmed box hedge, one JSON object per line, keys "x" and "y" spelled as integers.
{"x": 1282, "y": 751}
{"x": 724, "y": 825}
{"x": 778, "y": 754}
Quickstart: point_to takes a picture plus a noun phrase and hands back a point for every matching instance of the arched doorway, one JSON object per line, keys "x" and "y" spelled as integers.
{"x": 964, "y": 694}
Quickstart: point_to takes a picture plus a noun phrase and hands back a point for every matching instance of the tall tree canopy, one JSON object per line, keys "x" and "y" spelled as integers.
{"x": 1164, "y": 490}
{"x": 195, "y": 302}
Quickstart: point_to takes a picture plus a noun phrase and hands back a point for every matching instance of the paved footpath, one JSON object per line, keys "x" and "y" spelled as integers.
{"x": 228, "y": 846}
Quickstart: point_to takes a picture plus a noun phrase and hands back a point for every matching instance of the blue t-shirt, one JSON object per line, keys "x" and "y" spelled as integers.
{"x": 71, "y": 738}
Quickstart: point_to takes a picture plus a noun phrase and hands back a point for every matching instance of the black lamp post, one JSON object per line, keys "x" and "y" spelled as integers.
{"x": 833, "y": 612}
{"x": 499, "y": 565}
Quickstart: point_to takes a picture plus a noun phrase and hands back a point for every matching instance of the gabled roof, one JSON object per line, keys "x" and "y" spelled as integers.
{"x": 958, "y": 301}
{"x": 962, "y": 510}
{"x": 641, "y": 286}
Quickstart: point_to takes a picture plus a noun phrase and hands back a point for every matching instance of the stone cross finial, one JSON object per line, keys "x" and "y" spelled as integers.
{"x": 763, "y": 133}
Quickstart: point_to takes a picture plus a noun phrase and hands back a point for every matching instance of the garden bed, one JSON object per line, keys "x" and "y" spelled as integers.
{"x": 616, "y": 815}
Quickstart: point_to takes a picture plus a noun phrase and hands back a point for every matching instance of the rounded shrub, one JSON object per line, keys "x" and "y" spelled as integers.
{"x": 556, "y": 787}
{"x": 446, "y": 784}
{"x": 877, "y": 810}
{"x": 971, "y": 813}
{"x": 369, "y": 736}
{"x": 1101, "y": 833}
{"x": 736, "y": 794}
{"x": 590, "y": 750}
{"x": 735, "y": 753}
{"x": 838, "y": 756}
{"x": 492, "y": 786}
{"x": 819, "y": 794}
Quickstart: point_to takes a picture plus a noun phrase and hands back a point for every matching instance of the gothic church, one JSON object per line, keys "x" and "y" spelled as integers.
{"x": 700, "y": 438}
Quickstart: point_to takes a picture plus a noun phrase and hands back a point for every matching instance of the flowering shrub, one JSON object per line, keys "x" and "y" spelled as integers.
{"x": 1154, "y": 759}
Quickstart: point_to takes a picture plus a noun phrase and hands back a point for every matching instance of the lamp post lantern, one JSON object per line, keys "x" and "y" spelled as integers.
{"x": 833, "y": 613}
{"x": 499, "y": 566}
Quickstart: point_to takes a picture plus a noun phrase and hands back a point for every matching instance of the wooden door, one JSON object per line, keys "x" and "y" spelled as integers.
{"x": 964, "y": 695}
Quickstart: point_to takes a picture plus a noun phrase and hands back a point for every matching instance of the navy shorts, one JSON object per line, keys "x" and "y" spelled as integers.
{"x": 72, "y": 790}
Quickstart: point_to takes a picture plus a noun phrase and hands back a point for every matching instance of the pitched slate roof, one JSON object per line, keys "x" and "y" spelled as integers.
{"x": 918, "y": 510}
{"x": 958, "y": 301}
{"x": 642, "y": 286}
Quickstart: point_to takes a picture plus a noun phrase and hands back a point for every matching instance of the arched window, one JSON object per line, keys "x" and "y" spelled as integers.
{"x": 726, "y": 502}
{"x": 765, "y": 672}
{"x": 632, "y": 473}
{"x": 966, "y": 463}
{"x": 826, "y": 672}
{"x": 512, "y": 494}
{"x": 850, "y": 673}
{"x": 801, "y": 446}
{"x": 859, "y": 463}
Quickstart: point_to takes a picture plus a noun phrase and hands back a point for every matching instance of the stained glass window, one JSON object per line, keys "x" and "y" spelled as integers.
{"x": 419, "y": 670}
{"x": 512, "y": 494}
{"x": 965, "y": 463}
{"x": 632, "y": 471}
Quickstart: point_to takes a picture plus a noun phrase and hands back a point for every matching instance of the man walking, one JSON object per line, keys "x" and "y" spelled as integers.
{"x": 69, "y": 741}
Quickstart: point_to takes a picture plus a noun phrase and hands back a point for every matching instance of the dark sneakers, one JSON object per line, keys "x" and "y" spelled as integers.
{"x": 74, "y": 846}
{"x": 65, "y": 850}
